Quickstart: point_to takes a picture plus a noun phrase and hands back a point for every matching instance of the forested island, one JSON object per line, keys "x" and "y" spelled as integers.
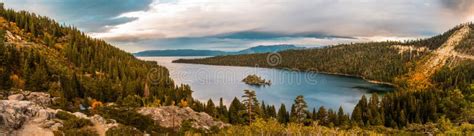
{"x": 256, "y": 80}
{"x": 58, "y": 79}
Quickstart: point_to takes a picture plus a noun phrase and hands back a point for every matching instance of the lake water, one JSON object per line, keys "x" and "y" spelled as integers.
{"x": 214, "y": 82}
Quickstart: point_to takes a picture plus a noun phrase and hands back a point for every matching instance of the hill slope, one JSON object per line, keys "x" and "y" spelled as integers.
{"x": 38, "y": 54}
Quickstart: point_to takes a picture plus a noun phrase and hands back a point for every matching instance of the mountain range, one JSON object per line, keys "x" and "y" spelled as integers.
{"x": 192, "y": 52}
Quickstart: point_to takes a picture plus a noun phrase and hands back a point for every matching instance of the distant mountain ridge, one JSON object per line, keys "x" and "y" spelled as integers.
{"x": 191, "y": 52}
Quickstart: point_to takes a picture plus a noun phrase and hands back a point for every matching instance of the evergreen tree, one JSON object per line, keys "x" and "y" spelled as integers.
{"x": 292, "y": 113}
{"x": 211, "y": 108}
{"x": 222, "y": 111}
{"x": 272, "y": 111}
{"x": 314, "y": 115}
{"x": 235, "y": 112}
{"x": 264, "y": 113}
{"x": 375, "y": 118}
{"x": 359, "y": 115}
{"x": 342, "y": 118}
{"x": 283, "y": 116}
{"x": 301, "y": 109}
{"x": 251, "y": 105}
{"x": 332, "y": 117}
{"x": 323, "y": 116}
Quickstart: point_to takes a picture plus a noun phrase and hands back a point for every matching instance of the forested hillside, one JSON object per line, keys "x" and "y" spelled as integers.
{"x": 374, "y": 61}
{"x": 38, "y": 54}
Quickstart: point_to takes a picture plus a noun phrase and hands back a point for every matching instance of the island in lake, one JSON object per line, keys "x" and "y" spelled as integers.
{"x": 256, "y": 80}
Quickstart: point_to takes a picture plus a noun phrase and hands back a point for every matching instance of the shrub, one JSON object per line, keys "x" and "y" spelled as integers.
{"x": 80, "y": 132}
{"x": 64, "y": 115}
{"x": 74, "y": 126}
{"x": 132, "y": 118}
{"x": 123, "y": 131}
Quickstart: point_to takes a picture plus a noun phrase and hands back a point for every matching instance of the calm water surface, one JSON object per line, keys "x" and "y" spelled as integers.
{"x": 214, "y": 82}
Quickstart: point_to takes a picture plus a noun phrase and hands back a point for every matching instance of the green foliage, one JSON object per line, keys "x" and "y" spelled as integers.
{"x": 74, "y": 126}
{"x": 132, "y": 101}
{"x": 132, "y": 118}
{"x": 301, "y": 110}
{"x": 251, "y": 104}
{"x": 211, "y": 108}
{"x": 235, "y": 112}
{"x": 122, "y": 130}
{"x": 80, "y": 132}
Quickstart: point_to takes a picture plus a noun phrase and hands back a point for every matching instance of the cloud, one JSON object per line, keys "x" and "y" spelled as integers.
{"x": 464, "y": 9}
{"x": 198, "y": 18}
{"x": 229, "y": 24}
{"x": 88, "y": 15}
{"x": 458, "y": 5}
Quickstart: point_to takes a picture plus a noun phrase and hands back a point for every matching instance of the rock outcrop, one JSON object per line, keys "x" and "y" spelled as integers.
{"x": 172, "y": 117}
{"x": 40, "y": 98}
{"x": 16, "y": 117}
{"x": 26, "y": 114}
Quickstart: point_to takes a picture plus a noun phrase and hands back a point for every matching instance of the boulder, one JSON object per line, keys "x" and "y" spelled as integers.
{"x": 80, "y": 115}
{"x": 17, "y": 97}
{"x": 172, "y": 117}
{"x": 102, "y": 123}
{"x": 39, "y": 98}
{"x": 15, "y": 113}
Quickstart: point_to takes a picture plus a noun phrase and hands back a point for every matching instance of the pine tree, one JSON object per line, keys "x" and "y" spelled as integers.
{"x": 222, "y": 111}
{"x": 359, "y": 115}
{"x": 211, "y": 108}
{"x": 301, "y": 109}
{"x": 292, "y": 113}
{"x": 235, "y": 112}
{"x": 251, "y": 105}
{"x": 323, "y": 116}
{"x": 332, "y": 117}
{"x": 314, "y": 115}
{"x": 272, "y": 111}
{"x": 375, "y": 118}
{"x": 264, "y": 114}
{"x": 5, "y": 72}
{"x": 342, "y": 117}
{"x": 283, "y": 116}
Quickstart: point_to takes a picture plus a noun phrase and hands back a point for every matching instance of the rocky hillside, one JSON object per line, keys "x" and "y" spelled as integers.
{"x": 419, "y": 78}
{"x": 28, "y": 113}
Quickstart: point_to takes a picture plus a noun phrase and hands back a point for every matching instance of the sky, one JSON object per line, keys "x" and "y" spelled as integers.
{"x": 137, "y": 25}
